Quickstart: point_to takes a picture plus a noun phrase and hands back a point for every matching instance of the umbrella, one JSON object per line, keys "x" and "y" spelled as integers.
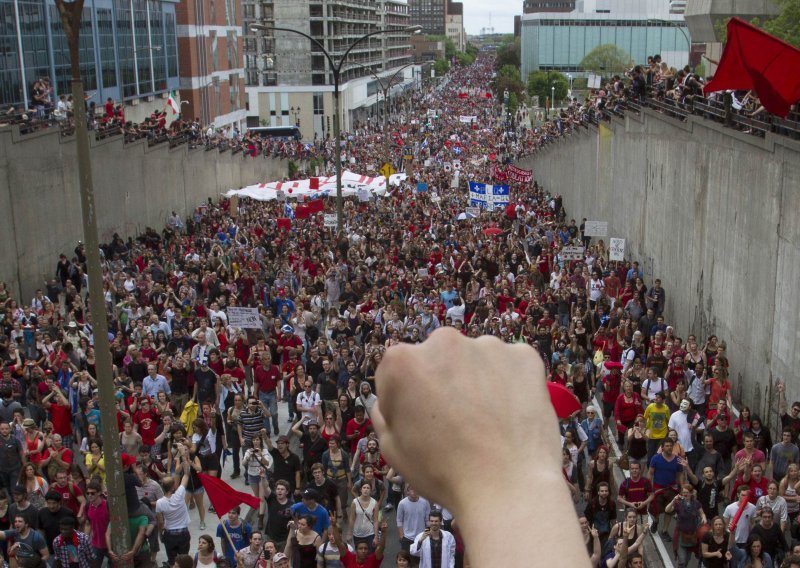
{"x": 492, "y": 231}
{"x": 464, "y": 216}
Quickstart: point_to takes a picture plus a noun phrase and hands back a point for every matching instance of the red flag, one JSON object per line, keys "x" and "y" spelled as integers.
{"x": 315, "y": 206}
{"x": 564, "y": 402}
{"x": 284, "y": 223}
{"x": 302, "y": 212}
{"x": 313, "y": 183}
{"x": 488, "y": 95}
{"x": 223, "y": 497}
{"x": 462, "y": 95}
{"x": 753, "y": 59}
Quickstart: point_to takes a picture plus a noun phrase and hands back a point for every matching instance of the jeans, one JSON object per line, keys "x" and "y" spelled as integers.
{"x": 176, "y": 543}
{"x": 8, "y": 479}
{"x": 270, "y": 400}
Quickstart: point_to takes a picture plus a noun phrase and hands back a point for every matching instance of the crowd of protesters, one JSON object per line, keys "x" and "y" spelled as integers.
{"x": 194, "y": 391}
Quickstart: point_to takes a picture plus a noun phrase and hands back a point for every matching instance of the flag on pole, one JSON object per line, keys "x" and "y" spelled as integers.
{"x": 753, "y": 59}
{"x": 223, "y": 497}
{"x": 174, "y": 102}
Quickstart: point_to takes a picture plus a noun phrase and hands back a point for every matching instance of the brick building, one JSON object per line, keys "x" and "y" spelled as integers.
{"x": 210, "y": 52}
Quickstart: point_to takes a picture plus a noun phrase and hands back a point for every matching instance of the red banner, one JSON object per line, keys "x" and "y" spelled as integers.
{"x": 510, "y": 172}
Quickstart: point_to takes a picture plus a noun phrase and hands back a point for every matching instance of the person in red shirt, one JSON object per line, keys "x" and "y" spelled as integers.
{"x": 266, "y": 377}
{"x": 357, "y": 428}
{"x": 60, "y": 413}
{"x": 362, "y": 558}
{"x": 71, "y": 495}
{"x": 145, "y": 421}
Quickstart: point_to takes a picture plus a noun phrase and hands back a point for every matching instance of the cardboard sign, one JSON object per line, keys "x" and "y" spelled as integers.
{"x": 245, "y": 318}
{"x": 473, "y": 211}
{"x": 572, "y": 253}
{"x": 616, "y": 249}
{"x": 330, "y": 220}
{"x": 596, "y": 229}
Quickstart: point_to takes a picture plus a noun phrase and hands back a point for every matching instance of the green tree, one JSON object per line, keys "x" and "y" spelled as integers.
{"x": 541, "y": 83}
{"x": 508, "y": 79}
{"x": 606, "y": 60}
{"x": 471, "y": 50}
{"x": 508, "y": 54}
{"x": 449, "y": 45}
{"x": 464, "y": 58}
{"x": 441, "y": 66}
{"x": 786, "y": 25}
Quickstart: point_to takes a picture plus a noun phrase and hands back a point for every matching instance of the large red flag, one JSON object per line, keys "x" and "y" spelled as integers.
{"x": 284, "y": 223}
{"x": 753, "y": 59}
{"x": 223, "y": 497}
{"x": 316, "y": 206}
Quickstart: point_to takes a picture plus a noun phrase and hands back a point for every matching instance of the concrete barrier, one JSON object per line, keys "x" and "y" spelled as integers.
{"x": 135, "y": 187}
{"x": 711, "y": 212}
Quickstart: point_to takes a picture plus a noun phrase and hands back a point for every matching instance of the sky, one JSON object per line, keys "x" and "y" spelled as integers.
{"x": 479, "y": 13}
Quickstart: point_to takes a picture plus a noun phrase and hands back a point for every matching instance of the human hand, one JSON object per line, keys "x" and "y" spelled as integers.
{"x": 408, "y": 396}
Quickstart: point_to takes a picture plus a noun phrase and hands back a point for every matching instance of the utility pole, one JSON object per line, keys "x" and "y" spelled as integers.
{"x": 71, "y": 13}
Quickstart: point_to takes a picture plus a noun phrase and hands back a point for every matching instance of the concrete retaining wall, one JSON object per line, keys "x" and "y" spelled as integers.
{"x": 714, "y": 214}
{"x": 135, "y": 187}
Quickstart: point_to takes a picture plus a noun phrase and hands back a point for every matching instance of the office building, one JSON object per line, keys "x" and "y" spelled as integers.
{"x": 454, "y": 25}
{"x": 128, "y": 52}
{"x": 537, "y": 6}
{"x": 559, "y": 42}
{"x": 430, "y": 14}
{"x": 290, "y": 81}
{"x": 211, "y": 61}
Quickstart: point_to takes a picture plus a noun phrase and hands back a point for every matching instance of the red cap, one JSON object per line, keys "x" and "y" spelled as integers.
{"x": 128, "y": 460}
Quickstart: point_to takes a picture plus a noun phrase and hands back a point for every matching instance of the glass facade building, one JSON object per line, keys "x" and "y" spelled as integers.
{"x": 559, "y": 42}
{"x": 128, "y": 49}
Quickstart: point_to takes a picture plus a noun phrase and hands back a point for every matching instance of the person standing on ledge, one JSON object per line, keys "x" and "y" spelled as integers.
{"x": 411, "y": 406}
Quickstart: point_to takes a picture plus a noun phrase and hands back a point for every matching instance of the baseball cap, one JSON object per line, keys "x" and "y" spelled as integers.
{"x": 286, "y": 328}
{"x": 310, "y": 494}
{"x": 279, "y": 556}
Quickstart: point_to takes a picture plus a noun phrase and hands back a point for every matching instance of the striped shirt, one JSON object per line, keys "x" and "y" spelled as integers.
{"x": 252, "y": 423}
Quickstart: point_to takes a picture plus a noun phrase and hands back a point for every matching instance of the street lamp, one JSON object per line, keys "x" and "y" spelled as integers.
{"x": 553, "y": 97}
{"x": 336, "y": 69}
{"x": 385, "y": 90}
{"x": 295, "y": 112}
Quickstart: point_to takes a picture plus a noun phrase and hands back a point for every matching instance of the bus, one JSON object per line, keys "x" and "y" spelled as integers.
{"x": 281, "y": 132}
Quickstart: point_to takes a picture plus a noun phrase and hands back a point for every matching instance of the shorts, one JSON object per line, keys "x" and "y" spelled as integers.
{"x": 253, "y": 479}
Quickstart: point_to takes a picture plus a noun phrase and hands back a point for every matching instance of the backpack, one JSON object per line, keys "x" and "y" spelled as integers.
{"x": 646, "y": 385}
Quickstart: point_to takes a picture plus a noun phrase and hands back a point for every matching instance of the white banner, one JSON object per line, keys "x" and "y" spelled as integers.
{"x": 616, "y": 249}
{"x": 351, "y": 183}
{"x": 468, "y": 119}
{"x": 572, "y": 253}
{"x": 596, "y": 229}
{"x": 246, "y": 318}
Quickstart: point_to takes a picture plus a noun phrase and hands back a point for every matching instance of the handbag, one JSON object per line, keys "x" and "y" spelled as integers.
{"x": 624, "y": 461}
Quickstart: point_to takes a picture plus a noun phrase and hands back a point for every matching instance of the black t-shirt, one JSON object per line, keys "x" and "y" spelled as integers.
{"x": 772, "y": 539}
{"x": 788, "y": 421}
{"x": 724, "y": 442}
{"x": 137, "y": 371}
{"x": 50, "y": 523}
{"x": 327, "y": 390}
{"x": 327, "y": 495}
{"x": 285, "y": 468}
{"x": 205, "y": 381}
{"x": 278, "y": 517}
{"x": 312, "y": 449}
{"x": 179, "y": 383}
{"x": 714, "y": 546}
{"x": 709, "y": 497}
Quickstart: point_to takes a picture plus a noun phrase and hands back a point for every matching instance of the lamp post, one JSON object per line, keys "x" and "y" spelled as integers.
{"x": 71, "y": 13}
{"x": 553, "y": 97}
{"x": 385, "y": 90}
{"x": 336, "y": 69}
{"x": 295, "y": 113}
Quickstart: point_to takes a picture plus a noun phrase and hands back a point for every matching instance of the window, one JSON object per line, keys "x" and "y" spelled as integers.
{"x": 233, "y": 81}
{"x": 213, "y": 36}
{"x": 233, "y": 50}
{"x": 319, "y": 104}
{"x": 217, "y": 101}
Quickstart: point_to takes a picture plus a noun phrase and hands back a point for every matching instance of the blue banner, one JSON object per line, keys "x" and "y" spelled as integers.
{"x": 488, "y": 196}
{"x": 422, "y": 187}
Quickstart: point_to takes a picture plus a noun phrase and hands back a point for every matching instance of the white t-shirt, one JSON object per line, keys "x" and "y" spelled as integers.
{"x": 743, "y": 527}
{"x": 652, "y": 388}
{"x": 174, "y": 510}
{"x": 596, "y": 289}
{"x": 307, "y": 404}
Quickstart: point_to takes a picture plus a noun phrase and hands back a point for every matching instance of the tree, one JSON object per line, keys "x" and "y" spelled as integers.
{"x": 606, "y": 60}
{"x": 786, "y": 25}
{"x": 541, "y": 83}
{"x": 508, "y": 54}
{"x": 449, "y": 45}
{"x": 441, "y": 67}
{"x": 508, "y": 79}
{"x": 465, "y": 58}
